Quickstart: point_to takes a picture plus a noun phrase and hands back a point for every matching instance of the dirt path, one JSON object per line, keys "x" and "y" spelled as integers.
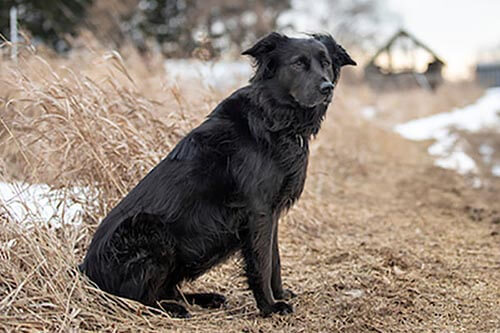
{"x": 408, "y": 246}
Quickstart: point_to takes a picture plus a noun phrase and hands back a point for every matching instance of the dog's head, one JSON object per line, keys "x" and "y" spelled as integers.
{"x": 302, "y": 70}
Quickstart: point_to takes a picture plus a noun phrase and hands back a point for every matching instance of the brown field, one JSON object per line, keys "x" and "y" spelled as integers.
{"x": 381, "y": 240}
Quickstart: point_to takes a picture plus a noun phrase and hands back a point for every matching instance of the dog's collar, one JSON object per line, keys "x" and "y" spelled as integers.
{"x": 300, "y": 140}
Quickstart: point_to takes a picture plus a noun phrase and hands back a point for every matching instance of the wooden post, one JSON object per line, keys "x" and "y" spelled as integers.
{"x": 13, "y": 33}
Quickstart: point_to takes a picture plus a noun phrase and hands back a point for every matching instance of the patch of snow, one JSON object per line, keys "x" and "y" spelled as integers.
{"x": 459, "y": 161}
{"x": 217, "y": 74}
{"x": 445, "y": 141}
{"x": 369, "y": 112}
{"x": 482, "y": 114}
{"x": 495, "y": 170}
{"x": 486, "y": 152}
{"x": 28, "y": 203}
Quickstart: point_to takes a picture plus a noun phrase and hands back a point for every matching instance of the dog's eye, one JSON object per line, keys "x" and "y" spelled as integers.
{"x": 325, "y": 63}
{"x": 299, "y": 64}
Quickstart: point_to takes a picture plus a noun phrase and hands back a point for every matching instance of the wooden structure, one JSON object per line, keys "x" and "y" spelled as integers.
{"x": 388, "y": 78}
{"x": 488, "y": 74}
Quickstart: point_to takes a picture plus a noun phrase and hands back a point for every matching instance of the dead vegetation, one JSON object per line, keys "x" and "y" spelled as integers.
{"x": 381, "y": 240}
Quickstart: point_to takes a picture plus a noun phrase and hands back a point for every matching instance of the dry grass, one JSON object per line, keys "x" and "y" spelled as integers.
{"x": 381, "y": 241}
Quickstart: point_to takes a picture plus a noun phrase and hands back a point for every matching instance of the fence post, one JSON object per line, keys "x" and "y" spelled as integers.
{"x": 13, "y": 33}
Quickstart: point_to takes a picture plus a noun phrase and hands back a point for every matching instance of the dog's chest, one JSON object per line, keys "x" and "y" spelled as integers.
{"x": 291, "y": 154}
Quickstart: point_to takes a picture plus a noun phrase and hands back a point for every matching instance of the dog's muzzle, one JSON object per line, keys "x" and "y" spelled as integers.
{"x": 326, "y": 87}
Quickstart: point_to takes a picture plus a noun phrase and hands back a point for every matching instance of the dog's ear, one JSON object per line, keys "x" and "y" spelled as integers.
{"x": 265, "y": 45}
{"x": 265, "y": 59}
{"x": 337, "y": 53}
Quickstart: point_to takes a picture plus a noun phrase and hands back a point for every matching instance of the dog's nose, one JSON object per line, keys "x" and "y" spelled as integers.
{"x": 326, "y": 87}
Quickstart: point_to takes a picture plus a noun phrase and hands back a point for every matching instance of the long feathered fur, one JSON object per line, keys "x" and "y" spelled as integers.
{"x": 221, "y": 190}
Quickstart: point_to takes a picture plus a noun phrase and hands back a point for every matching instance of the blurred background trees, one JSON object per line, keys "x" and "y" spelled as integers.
{"x": 50, "y": 21}
{"x": 183, "y": 28}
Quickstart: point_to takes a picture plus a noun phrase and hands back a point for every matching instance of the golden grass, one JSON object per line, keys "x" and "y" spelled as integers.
{"x": 381, "y": 240}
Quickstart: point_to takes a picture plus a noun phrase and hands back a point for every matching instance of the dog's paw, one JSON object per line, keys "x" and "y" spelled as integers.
{"x": 217, "y": 301}
{"x": 181, "y": 315}
{"x": 281, "y": 308}
{"x": 174, "y": 310}
{"x": 285, "y": 294}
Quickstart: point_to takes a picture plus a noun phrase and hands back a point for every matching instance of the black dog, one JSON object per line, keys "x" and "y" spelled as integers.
{"x": 224, "y": 186}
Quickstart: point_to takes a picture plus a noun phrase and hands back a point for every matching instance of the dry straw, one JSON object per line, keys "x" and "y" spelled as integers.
{"x": 379, "y": 241}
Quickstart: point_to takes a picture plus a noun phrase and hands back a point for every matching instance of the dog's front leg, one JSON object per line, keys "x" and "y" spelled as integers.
{"x": 257, "y": 252}
{"x": 276, "y": 283}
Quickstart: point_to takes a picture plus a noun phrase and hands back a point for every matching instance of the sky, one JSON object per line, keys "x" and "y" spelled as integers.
{"x": 457, "y": 30}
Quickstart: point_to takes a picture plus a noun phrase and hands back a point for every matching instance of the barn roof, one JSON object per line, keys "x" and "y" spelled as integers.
{"x": 404, "y": 34}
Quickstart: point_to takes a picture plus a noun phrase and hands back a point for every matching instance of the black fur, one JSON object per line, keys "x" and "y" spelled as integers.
{"x": 224, "y": 186}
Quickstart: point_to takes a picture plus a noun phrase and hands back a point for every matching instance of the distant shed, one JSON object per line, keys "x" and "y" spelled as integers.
{"x": 488, "y": 74}
{"x": 382, "y": 78}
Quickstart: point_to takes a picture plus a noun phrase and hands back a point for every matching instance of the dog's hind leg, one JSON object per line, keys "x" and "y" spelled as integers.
{"x": 145, "y": 258}
{"x": 169, "y": 293}
{"x": 150, "y": 291}
{"x": 206, "y": 300}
